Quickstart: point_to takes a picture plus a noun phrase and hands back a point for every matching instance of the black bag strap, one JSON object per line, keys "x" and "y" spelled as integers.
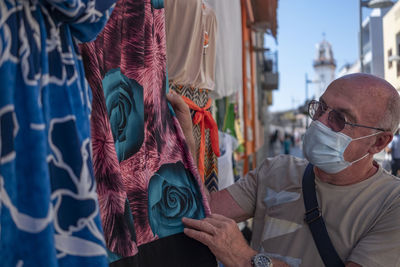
{"x": 313, "y": 217}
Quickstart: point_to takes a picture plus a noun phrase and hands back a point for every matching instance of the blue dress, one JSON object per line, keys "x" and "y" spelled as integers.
{"x": 49, "y": 213}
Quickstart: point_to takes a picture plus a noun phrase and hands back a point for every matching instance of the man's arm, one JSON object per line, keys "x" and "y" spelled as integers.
{"x": 222, "y": 202}
{"x": 224, "y": 239}
{"x": 226, "y": 242}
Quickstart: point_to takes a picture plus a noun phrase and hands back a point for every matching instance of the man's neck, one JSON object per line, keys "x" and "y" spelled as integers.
{"x": 351, "y": 175}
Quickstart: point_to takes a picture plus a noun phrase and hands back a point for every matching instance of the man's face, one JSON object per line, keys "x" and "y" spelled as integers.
{"x": 353, "y": 102}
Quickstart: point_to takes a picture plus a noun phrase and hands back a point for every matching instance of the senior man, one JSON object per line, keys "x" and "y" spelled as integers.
{"x": 359, "y": 201}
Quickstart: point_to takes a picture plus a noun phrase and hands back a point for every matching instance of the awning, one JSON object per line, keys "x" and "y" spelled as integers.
{"x": 265, "y": 18}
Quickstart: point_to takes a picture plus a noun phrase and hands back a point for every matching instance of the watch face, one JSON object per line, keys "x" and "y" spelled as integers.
{"x": 261, "y": 260}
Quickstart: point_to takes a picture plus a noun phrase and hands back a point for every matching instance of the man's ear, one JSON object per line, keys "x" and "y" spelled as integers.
{"x": 381, "y": 142}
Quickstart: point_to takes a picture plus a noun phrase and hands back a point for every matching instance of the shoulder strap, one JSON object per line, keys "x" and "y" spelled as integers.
{"x": 313, "y": 217}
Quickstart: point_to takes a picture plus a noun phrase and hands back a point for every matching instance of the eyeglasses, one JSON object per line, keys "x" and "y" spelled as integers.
{"x": 336, "y": 121}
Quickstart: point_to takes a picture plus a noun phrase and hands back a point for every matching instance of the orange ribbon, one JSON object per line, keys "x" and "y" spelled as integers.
{"x": 206, "y": 121}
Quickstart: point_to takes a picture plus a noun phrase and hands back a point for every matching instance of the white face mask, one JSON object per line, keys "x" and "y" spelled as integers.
{"x": 324, "y": 148}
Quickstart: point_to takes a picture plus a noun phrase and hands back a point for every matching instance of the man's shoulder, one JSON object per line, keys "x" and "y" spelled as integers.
{"x": 388, "y": 180}
{"x": 384, "y": 188}
{"x": 283, "y": 161}
{"x": 282, "y": 171}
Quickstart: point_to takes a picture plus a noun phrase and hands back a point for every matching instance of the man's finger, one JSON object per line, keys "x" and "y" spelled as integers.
{"x": 199, "y": 236}
{"x": 172, "y": 98}
{"x": 215, "y": 221}
{"x": 175, "y": 99}
{"x": 201, "y": 225}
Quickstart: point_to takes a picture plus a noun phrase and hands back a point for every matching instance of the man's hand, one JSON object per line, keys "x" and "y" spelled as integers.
{"x": 182, "y": 113}
{"x": 223, "y": 237}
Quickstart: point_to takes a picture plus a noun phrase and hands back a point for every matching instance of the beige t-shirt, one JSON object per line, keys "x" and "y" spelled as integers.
{"x": 184, "y": 28}
{"x": 206, "y": 78}
{"x": 363, "y": 219}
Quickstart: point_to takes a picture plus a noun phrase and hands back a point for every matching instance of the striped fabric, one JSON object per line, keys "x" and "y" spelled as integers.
{"x": 200, "y": 98}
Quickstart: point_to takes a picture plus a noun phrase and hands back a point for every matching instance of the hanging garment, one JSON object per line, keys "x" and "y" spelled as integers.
{"x": 185, "y": 40}
{"x": 227, "y": 145}
{"x": 229, "y": 119}
{"x": 230, "y": 127}
{"x": 146, "y": 176}
{"x": 191, "y": 43}
{"x": 49, "y": 215}
{"x": 207, "y": 150}
{"x": 206, "y": 78}
{"x": 228, "y": 69}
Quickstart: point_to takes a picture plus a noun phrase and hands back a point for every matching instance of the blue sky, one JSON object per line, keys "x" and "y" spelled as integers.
{"x": 301, "y": 25}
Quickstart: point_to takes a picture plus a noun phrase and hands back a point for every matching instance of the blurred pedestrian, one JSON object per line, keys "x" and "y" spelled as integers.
{"x": 287, "y": 143}
{"x": 275, "y": 144}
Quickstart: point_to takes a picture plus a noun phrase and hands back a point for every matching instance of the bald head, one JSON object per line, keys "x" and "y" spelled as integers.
{"x": 376, "y": 100}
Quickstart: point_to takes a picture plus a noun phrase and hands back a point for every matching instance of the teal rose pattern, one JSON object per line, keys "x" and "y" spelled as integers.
{"x": 124, "y": 101}
{"x": 173, "y": 194}
{"x": 157, "y": 4}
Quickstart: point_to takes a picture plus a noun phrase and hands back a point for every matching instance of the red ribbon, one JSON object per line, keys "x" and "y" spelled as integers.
{"x": 206, "y": 121}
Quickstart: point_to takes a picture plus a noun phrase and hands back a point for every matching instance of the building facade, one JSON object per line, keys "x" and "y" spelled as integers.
{"x": 372, "y": 46}
{"x": 372, "y": 42}
{"x": 391, "y": 40}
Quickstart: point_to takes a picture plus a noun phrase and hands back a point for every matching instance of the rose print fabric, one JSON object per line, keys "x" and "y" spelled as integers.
{"x": 124, "y": 102}
{"x": 49, "y": 214}
{"x": 171, "y": 198}
{"x": 146, "y": 177}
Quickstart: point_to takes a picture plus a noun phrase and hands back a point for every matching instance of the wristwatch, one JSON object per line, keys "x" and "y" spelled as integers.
{"x": 261, "y": 260}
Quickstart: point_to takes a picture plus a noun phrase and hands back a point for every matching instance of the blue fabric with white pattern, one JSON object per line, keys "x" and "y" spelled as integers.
{"x": 49, "y": 214}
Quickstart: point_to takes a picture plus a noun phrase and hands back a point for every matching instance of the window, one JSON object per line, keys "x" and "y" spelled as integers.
{"x": 389, "y": 55}
{"x": 398, "y": 62}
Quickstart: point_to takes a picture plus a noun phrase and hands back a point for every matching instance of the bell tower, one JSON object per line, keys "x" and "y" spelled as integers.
{"x": 324, "y": 67}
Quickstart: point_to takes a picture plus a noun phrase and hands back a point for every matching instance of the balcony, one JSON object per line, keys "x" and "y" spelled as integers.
{"x": 366, "y": 47}
{"x": 270, "y": 75}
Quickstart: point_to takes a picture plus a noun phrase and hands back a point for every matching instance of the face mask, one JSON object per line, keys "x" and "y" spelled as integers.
{"x": 324, "y": 148}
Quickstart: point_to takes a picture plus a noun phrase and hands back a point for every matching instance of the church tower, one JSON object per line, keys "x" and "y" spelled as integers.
{"x": 324, "y": 67}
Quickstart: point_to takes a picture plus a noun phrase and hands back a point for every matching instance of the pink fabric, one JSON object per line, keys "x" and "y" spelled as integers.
{"x": 134, "y": 41}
